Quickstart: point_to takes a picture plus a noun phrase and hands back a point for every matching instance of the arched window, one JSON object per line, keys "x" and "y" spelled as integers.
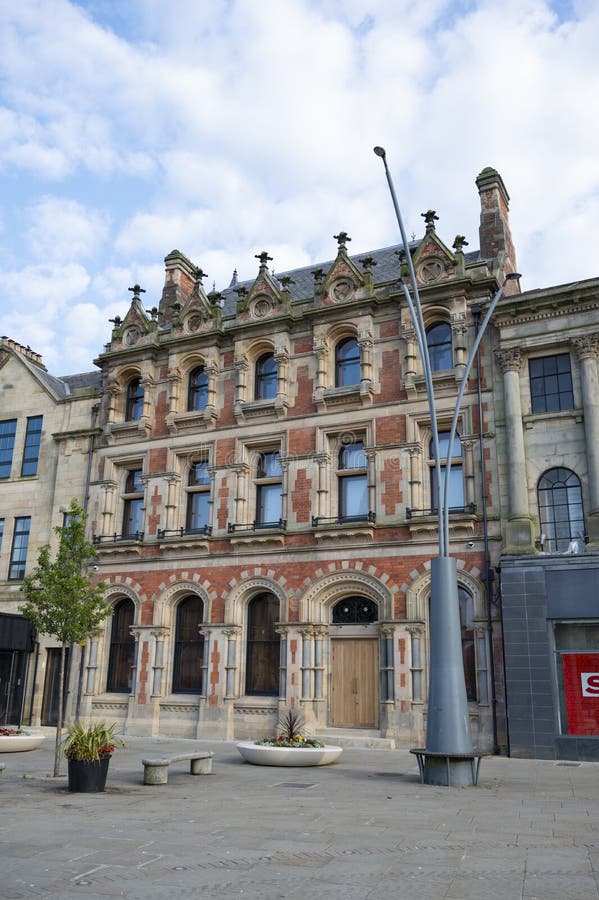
{"x": 266, "y": 377}
{"x": 355, "y": 611}
{"x": 438, "y": 340}
{"x": 263, "y": 647}
{"x": 189, "y": 647}
{"x": 353, "y": 481}
{"x": 121, "y": 659}
{"x": 347, "y": 363}
{"x": 456, "y": 480}
{"x": 197, "y": 394}
{"x": 468, "y": 651}
{"x": 560, "y": 508}
{"x": 135, "y": 400}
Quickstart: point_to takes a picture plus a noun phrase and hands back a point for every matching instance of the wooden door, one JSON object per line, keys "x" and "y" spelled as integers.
{"x": 355, "y": 696}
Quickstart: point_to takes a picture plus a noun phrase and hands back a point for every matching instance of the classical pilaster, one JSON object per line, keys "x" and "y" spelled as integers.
{"x": 519, "y": 533}
{"x": 587, "y": 350}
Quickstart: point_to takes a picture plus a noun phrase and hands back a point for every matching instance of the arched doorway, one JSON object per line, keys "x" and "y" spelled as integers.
{"x": 354, "y": 664}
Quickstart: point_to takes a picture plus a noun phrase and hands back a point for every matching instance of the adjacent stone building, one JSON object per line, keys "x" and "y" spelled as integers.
{"x": 46, "y": 434}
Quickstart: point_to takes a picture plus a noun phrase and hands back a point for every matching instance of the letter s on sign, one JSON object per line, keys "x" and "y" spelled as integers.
{"x": 590, "y": 684}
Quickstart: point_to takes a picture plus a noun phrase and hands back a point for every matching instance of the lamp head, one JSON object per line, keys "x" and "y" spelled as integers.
{"x": 380, "y": 151}
{"x": 511, "y": 276}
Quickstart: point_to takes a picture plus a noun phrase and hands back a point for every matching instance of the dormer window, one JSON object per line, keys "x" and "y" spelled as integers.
{"x": 197, "y": 395}
{"x": 135, "y": 400}
{"x": 266, "y": 377}
{"x": 347, "y": 363}
{"x": 438, "y": 341}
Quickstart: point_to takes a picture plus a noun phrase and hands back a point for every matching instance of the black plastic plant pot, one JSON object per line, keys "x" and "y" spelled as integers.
{"x": 88, "y": 777}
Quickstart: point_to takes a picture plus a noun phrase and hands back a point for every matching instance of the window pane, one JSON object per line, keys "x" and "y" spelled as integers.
{"x": 8, "y": 429}
{"x": 198, "y": 509}
{"x": 269, "y": 465}
{"x": 551, "y": 383}
{"x": 122, "y": 649}
{"x": 133, "y": 516}
{"x": 198, "y": 390}
{"x": 189, "y": 647}
{"x": 352, "y": 456}
{"x": 353, "y": 500}
{"x": 347, "y": 363}
{"x": 135, "y": 400}
{"x": 20, "y": 542}
{"x": 561, "y": 512}
{"x": 263, "y": 646}
{"x": 269, "y": 503}
{"x": 266, "y": 377}
{"x": 438, "y": 339}
{"x": 31, "y": 452}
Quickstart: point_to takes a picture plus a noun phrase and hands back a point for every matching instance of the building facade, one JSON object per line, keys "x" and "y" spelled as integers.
{"x": 262, "y": 495}
{"x": 46, "y": 429}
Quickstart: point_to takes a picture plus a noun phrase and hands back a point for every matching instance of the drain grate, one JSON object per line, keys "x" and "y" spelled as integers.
{"x": 567, "y": 764}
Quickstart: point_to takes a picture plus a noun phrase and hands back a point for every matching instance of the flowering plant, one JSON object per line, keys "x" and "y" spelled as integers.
{"x": 9, "y": 732}
{"x": 92, "y": 742}
{"x": 290, "y": 726}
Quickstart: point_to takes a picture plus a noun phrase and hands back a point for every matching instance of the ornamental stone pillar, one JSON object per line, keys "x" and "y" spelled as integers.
{"x": 587, "y": 349}
{"x": 519, "y": 532}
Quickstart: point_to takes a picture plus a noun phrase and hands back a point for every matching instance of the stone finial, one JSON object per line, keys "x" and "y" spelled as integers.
{"x": 459, "y": 243}
{"x": 136, "y": 290}
{"x": 342, "y": 239}
{"x": 200, "y": 275}
{"x": 318, "y": 275}
{"x": 234, "y": 281}
{"x": 154, "y": 313}
{"x": 430, "y": 217}
{"x": 286, "y": 280}
{"x": 117, "y": 321}
{"x": 264, "y": 259}
{"x": 367, "y": 263}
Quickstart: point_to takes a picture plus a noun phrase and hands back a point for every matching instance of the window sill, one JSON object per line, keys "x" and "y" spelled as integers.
{"x": 338, "y": 530}
{"x": 353, "y": 395}
{"x": 461, "y": 524}
{"x": 128, "y": 431}
{"x": 562, "y": 415}
{"x": 261, "y": 409}
{"x": 193, "y": 420}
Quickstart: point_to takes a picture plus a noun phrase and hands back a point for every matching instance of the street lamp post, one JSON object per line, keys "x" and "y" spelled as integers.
{"x": 448, "y": 735}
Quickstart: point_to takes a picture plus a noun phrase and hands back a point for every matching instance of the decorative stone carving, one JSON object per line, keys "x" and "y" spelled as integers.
{"x": 509, "y": 360}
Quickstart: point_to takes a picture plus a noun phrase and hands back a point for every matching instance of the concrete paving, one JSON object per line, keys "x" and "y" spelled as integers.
{"x": 362, "y": 828}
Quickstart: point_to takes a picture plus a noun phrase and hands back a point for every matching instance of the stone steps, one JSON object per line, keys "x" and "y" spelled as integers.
{"x": 354, "y": 737}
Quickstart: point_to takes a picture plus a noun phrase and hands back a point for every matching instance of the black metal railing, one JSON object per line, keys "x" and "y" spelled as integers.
{"x": 182, "y": 532}
{"x": 233, "y": 527}
{"x": 115, "y": 538}
{"x": 468, "y": 509}
{"x": 343, "y": 520}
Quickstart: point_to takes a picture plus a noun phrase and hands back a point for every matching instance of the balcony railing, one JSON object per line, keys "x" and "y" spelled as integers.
{"x": 234, "y": 527}
{"x": 115, "y": 538}
{"x": 343, "y": 520}
{"x": 469, "y": 509}
{"x": 183, "y": 532}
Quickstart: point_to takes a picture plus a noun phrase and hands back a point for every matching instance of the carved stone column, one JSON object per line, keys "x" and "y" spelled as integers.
{"x": 321, "y": 349}
{"x": 323, "y": 462}
{"x": 459, "y": 331}
{"x": 241, "y": 493}
{"x": 519, "y": 535}
{"x": 107, "y": 514}
{"x": 365, "y": 343}
{"x": 416, "y": 633}
{"x": 241, "y": 368}
{"x": 409, "y": 336}
{"x": 468, "y": 457}
{"x": 371, "y": 457}
{"x": 415, "y": 477}
{"x": 174, "y": 387}
{"x": 587, "y": 349}
{"x": 158, "y": 682}
{"x": 172, "y": 482}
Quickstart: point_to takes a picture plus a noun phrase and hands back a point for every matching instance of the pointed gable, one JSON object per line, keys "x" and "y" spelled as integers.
{"x": 343, "y": 278}
{"x": 433, "y": 261}
{"x": 265, "y": 299}
{"x": 137, "y": 327}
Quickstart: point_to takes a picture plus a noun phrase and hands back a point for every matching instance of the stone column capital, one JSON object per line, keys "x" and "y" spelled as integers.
{"x": 586, "y": 346}
{"x": 509, "y": 360}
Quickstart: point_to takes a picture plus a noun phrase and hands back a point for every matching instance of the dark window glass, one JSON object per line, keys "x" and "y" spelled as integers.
{"x": 456, "y": 481}
{"x": 189, "y": 647}
{"x": 121, "y": 658}
{"x": 18, "y": 554}
{"x": 551, "y": 383}
{"x": 266, "y": 377}
{"x": 268, "y": 488}
{"x": 133, "y": 504}
{"x": 468, "y": 651}
{"x": 263, "y": 646}
{"x": 8, "y": 429}
{"x": 198, "y": 497}
{"x": 347, "y": 363}
{"x": 355, "y": 611}
{"x": 31, "y": 452}
{"x": 353, "y": 481}
{"x": 561, "y": 514}
{"x": 438, "y": 341}
{"x": 197, "y": 397}
{"x": 135, "y": 400}
{"x": 1, "y": 532}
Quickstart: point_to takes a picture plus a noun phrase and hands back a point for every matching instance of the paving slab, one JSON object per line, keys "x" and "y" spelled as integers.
{"x": 361, "y": 829}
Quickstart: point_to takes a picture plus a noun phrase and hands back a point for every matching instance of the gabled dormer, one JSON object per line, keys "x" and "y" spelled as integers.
{"x": 200, "y": 312}
{"x": 433, "y": 261}
{"x": 266, "y": 299}
{"x": 344, "y": 279}
{"x": 137, "y": 328}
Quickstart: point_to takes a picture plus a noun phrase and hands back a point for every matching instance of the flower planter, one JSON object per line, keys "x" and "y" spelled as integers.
{"x": 17, "y": 743}
{"x": 265, "y": 755}
{"x": 88, "y": 777}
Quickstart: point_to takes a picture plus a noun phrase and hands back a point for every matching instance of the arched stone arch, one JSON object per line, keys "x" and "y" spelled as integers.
{"x": 316, "y": 603}
{"x": 237, "y": 599}
{"x": 168, "y": 599}
{"x": 418, "y": 591}
{"x": 118, "y": 591}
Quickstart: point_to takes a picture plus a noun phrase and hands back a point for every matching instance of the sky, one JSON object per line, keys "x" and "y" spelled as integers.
{"x": 221, "y": 128}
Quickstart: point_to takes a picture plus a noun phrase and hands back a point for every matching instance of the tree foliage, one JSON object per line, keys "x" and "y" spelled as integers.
{"x": 60, "y": 599}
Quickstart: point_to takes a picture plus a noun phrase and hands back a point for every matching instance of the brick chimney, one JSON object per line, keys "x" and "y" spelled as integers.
{"x": 495, "y": 236}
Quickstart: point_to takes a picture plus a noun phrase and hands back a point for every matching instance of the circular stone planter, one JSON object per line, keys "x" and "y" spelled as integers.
{"x": 264, "y": 755}
{"x": 17, "y": 743}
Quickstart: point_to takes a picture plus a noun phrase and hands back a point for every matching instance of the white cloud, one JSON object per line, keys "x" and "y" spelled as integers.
{"x": 61, "y": 229}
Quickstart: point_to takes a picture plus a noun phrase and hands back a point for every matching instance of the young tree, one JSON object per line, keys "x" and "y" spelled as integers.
{"x": 60, "y": 599}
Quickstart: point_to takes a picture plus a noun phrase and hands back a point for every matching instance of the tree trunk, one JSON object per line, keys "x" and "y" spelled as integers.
{"x": 57, "y": 747}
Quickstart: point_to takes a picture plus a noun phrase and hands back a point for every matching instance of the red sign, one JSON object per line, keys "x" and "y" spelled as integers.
{"x": 581, "y": 684}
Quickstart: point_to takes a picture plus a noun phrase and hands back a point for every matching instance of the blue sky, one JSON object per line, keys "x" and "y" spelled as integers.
{"x": 225, "y": 127}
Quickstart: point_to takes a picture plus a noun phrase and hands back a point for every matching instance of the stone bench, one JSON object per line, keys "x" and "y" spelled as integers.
{"x": 156, "y": 770}
{"x": 422, "y": 754}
